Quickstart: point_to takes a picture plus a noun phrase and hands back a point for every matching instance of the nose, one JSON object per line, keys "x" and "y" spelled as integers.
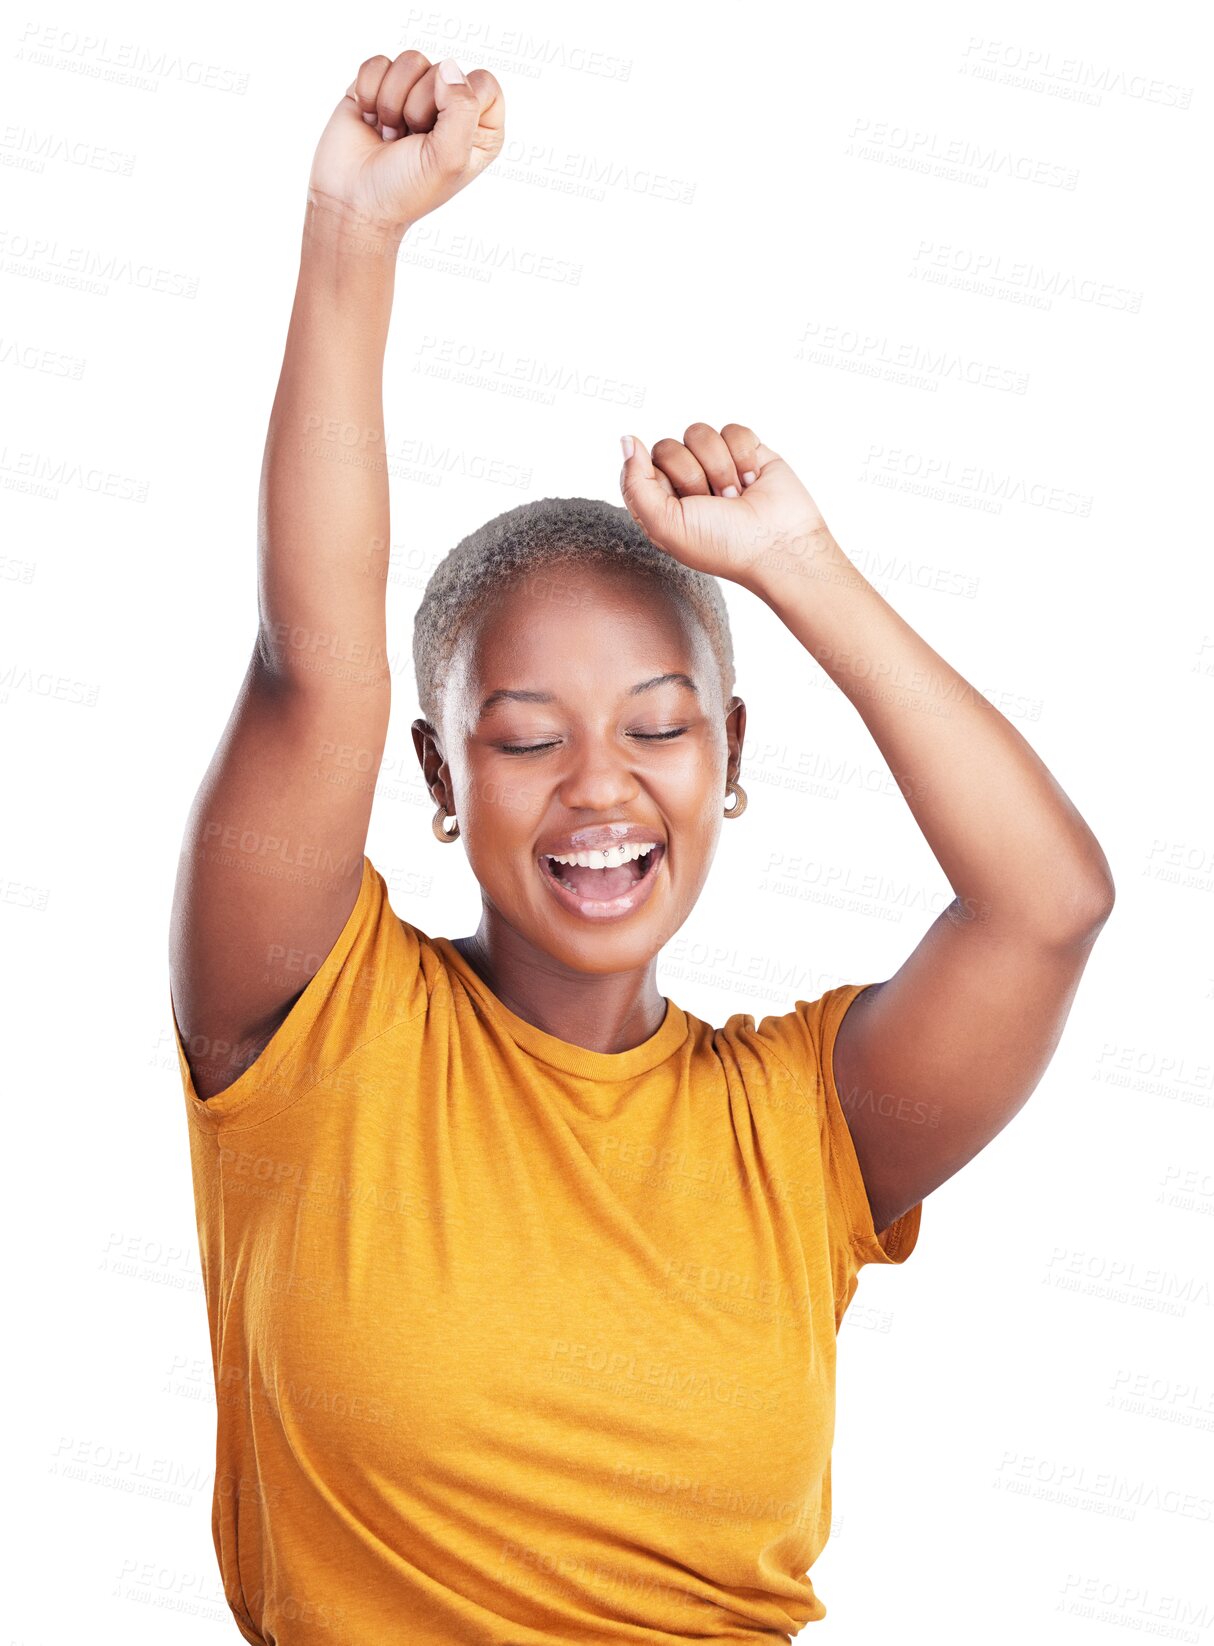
{"x": 597, "y": 779}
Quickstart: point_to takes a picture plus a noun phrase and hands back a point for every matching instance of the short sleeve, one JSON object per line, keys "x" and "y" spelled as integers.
{"x": 378, "y": 972}
{"x": 805, "y": 1040}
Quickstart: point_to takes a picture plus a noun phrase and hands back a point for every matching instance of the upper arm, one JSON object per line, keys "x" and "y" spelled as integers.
{"x": 931, "y": 1064}
{"x": 271, "y": 860}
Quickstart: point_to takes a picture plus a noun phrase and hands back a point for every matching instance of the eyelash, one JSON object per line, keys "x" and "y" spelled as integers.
{"x": 535, "y": 748}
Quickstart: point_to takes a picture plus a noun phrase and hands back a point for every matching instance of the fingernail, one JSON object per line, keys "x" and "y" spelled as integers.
{"x": 749, "y": 477}
{"x": 389, "y": 133}
{"x": 730, "y": 491}
{"x": 626, "y": 442}
{"x": 369, "y": 118}
{"x": 451, "y": 72}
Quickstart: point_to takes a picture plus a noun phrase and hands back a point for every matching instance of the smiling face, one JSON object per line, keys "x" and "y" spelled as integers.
{"x": 622, "y": 723}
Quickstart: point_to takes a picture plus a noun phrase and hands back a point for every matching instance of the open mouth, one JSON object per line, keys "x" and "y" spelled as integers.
{"x": 602, "y": 894}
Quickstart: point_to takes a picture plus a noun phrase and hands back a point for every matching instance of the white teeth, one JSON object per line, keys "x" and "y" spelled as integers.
{"x": 610, "y": 858}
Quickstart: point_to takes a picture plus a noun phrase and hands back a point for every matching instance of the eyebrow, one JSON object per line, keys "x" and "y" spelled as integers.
{"x": 508, "y": 694}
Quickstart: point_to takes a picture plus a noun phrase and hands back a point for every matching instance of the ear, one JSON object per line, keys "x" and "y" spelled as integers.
{"x": 735, "y": 732}
{"x": 433, "y": 762}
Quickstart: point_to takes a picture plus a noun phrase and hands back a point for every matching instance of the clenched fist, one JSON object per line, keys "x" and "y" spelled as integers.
{"x": 722, "y": 503}
{"x": 405, "y": 138}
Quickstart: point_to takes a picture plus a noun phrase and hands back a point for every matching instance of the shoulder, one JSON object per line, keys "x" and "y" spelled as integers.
{"x": 799, "y": 1042}
{"x": 379, "y": 973}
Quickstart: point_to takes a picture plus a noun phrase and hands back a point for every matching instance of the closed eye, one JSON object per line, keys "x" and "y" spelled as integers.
{"x": 536, "y": 748}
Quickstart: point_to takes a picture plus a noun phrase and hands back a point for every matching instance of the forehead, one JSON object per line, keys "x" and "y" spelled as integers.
{"x": 573, "y": 629}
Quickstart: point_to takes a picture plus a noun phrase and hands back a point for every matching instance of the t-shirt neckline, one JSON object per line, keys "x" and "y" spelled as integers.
{"x": 563, "y": 1054}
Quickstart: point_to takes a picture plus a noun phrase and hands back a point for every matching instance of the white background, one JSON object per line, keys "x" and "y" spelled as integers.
{"x": 715, "y": 214}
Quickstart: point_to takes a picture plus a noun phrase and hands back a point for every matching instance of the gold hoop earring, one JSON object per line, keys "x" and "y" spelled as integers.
{"x": 440, "y": 829}
{"x": 735, "y": 789}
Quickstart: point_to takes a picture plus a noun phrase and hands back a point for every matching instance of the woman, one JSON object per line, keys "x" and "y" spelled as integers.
{"x": 523, "y": 1283}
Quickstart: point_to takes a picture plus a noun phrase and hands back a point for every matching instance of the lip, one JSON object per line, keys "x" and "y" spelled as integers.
{"x": 612, "y": 908}
{"x": 594, "y": 839}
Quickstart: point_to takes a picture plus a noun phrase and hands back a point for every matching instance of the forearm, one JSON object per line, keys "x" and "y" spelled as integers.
{"x": 323, "y": 526}
{"x": 1014, "y": 848}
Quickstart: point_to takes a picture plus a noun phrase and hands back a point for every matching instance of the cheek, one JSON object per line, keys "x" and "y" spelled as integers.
{"x": 689, "y": 789}
{"x": 500, "y": 802}
{"x": 503, "y": 811}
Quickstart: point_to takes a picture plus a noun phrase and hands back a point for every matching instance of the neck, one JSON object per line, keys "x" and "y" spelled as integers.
{"x": 599, "y": 1011}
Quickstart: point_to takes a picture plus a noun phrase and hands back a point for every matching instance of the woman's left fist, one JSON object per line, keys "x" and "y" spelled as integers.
{"x": 722, "y": 503}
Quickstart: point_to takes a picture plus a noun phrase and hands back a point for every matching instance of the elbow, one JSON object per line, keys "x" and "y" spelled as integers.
{"x": 1089, "y": 907}
{"x": 1102, "y": 892}
{"x": 1101, "y": 910}
{"x": 1091, "y": 892}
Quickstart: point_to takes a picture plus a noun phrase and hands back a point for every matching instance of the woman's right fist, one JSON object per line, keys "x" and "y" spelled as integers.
{"x": 404, "y": 138}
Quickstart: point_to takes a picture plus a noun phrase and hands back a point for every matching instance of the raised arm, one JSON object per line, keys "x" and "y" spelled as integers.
{"x": 272, "y": 854}
{"x": 933, "y": 1062}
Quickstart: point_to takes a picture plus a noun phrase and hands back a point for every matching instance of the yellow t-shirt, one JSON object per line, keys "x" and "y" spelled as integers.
{"x": 516, "y": 1342}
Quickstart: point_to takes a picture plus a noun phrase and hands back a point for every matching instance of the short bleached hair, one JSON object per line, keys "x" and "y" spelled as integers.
{"x": 551, "y": 531}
